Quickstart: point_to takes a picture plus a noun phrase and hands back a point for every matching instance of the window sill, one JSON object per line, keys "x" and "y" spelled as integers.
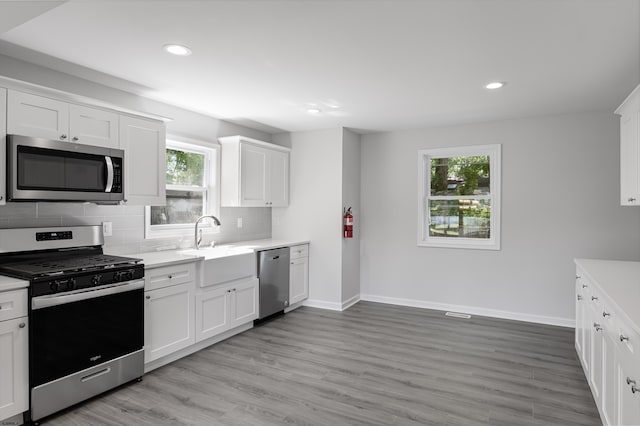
{"x": 461, "y": 244}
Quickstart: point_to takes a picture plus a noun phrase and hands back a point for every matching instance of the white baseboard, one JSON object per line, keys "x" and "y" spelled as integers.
{"x": 540, "y": 319}
{"x": 323, "y": 304}
{"x": 350, "y": 302}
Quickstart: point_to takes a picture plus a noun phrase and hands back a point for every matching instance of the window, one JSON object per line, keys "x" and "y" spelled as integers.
{"x": 192, "y": 190}
{"x": 459, "y": 205}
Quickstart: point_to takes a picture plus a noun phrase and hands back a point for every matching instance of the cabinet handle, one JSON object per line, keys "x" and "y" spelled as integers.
{"x": 629, "y": 381}
{"x": 594, "y": 297}
{"x": 631, "y": 200}
{"x": 605, "y": 314}
{"x": 63, "y": 136}
{"x": 75, "y": 138}
{"x": 623, "y": 338}
{"x": 22, "y": 325}
{"x": 1, "y": 197}
{"x": 579, "y": 297}
{"x": 584, "y": 286}
{"x": 597, "y": 326}
{"x": 578, "y": 277}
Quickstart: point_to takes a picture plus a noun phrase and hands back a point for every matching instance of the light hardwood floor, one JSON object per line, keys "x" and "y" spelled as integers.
{"x": 373, "y": 364}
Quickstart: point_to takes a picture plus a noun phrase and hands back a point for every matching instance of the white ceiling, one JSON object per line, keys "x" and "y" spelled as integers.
{"x": 369, "y": 65}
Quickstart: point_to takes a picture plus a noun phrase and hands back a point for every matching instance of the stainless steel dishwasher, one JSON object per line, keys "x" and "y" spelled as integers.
{"x": 273, "y": 273}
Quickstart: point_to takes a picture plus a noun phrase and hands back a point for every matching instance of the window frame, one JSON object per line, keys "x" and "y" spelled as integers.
{"x": 494, "y": 152}
{"x": 211, "y": 189}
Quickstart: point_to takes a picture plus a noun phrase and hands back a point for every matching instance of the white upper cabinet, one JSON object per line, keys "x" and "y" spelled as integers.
{"x": 630, "y": 149}
{"x": 92, "y": 126}
{"x": 253, "y": 173}
{"x": 143, "y": 142}
{"x": 37, "y": 116}
{"x": 41, "y": 117}
{"x": 3, "y": 146}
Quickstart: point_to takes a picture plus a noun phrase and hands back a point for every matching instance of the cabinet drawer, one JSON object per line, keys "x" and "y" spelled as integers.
{"x": 13, "y": 304}
{"x": 169, "y": 275}
{"x": 299, "y": 251}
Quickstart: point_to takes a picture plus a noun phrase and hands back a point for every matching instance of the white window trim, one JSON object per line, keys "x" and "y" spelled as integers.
{"x": 424, "y": 185}
{"x": 213, "y": 192}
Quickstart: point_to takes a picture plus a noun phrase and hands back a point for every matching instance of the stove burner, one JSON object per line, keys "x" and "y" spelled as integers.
{"x": 43, "y": 267}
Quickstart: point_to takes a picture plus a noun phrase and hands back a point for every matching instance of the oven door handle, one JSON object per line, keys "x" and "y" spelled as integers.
{"x": 55, "y": 300}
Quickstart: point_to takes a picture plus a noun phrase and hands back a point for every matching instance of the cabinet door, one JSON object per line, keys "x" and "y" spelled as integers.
{"x": 32, "y": 115}
{"x": 254, "y": 163}
{"x": 298, "y": 280}
{"x": 14, "y": 377}
{"x": 244, "y": 302}
{"x": 144, "y": 143}
{"x": 168, "y": 320}
{"x": 609, "y": 375}
{"x": 630, "y": 152}
{"x": 91, "y": 126}
{"x": 3, "y": 146}
{"x": 628, "y": 399}
{"x": 279, "y": 179}
{"x": 212, "y": 313}
{"x": 595, "y": 359}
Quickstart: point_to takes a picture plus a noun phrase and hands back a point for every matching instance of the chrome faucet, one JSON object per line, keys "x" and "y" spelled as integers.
{"x": 198, "y": 236}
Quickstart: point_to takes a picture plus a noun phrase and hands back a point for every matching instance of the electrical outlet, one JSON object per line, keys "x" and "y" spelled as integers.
{"x": 239, "y": 222}
{"x": 107, "y": 229}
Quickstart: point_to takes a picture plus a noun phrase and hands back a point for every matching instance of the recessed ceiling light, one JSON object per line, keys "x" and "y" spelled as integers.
{"x": 314, "y": 110}
{"x": 177, "y": 49}
{"x": 494, "y": 85}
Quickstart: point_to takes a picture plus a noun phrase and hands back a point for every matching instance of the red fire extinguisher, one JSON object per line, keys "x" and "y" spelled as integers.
{"x": 348, "y": 224}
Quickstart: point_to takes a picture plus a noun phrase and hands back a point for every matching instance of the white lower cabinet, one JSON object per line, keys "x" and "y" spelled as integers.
{"x": 607, "y": 342}
{"x": 224, "y": 307}
{"x": 169, "y": 320}
{"x": 298, "y": 273}
{"x": 14, "y": 354}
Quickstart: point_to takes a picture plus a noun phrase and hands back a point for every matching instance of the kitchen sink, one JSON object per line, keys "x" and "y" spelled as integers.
{"x": 224, "y": 263}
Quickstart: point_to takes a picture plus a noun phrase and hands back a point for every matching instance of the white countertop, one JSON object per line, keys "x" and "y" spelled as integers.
{"x": 173, "y": 257}
{"x": 620, "y": 281}
{"x": 8, "y": 283}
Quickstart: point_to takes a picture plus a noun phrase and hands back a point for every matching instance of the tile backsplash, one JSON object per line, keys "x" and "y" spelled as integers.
{"x": 128, "y": 224}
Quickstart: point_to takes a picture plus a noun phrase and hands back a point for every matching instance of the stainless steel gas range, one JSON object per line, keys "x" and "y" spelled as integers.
{"x": 86, "y": 313}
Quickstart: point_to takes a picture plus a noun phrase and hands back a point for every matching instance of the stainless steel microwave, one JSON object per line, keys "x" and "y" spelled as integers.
{"x": 47, "y": 170}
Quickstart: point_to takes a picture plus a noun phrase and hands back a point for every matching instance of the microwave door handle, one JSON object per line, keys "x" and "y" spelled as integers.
{"x": 109, "y": 174}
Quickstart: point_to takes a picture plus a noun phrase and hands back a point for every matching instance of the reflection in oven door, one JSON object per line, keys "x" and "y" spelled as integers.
{"x": 74, "y": 336}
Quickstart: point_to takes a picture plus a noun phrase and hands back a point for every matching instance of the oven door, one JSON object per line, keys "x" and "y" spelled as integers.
{"x": 76, "y": 331}
{"x": 41, "y": 169}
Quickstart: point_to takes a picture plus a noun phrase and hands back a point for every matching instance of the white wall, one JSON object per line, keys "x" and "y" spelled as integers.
{"x": 351, "y": 198}
{"x": 560, "y": 186}
{"x": 315, "y": 209}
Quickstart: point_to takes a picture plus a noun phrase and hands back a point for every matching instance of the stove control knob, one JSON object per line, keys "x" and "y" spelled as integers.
{"x": 95, "y": 280}
{"x": 71, "y": 284}
{"x": 54, "y": 286}
{"x": 117, "y": 276}
{"x": 128, "y": 275}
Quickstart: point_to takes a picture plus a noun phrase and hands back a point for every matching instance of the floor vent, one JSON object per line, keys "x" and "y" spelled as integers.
{"x": 458, "y": 315}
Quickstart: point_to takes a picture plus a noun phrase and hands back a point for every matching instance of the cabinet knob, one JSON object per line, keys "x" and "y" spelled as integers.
{"x": 597, "y": 326}
{"x": 22, "y": 325}
{"x": 579, "y": 297}
{"x": 1, "y": 197}
{"x": 594, "y": 297}
{"x": 148, "y": 297}
{"x": 605, "y": 314}
{"x": 631, "y": 200}
{"x": 630, "y": 380}
{"x": 63, "y": 136}
{"x": 170, "y": 276}
{"x": 584, "y": 286}
{"x": 578, "y": 277}
{"x": 623, "y": 338}
{"x": 75, "y": 138}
